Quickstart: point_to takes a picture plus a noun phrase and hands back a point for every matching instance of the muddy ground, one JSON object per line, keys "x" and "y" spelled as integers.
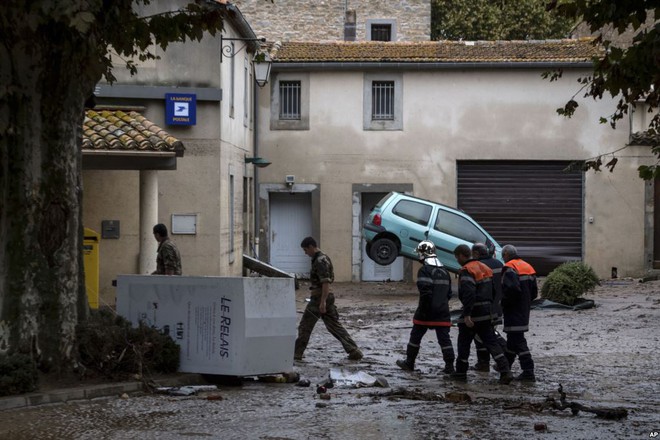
{"x": 606, "y": 357}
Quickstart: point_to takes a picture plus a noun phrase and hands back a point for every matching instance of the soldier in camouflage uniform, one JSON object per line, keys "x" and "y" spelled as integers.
{"x": 168, "y": 259}
{"x": 322, "y": 304}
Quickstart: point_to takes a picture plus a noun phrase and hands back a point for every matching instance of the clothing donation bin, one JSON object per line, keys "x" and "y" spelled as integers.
{"x": 91, "y": 265}
{"x": 230, "y": 326}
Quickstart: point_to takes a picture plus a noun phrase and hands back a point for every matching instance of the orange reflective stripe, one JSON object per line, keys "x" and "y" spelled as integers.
{"x": 479, "y": 271}
{"x": 521, "y": 267}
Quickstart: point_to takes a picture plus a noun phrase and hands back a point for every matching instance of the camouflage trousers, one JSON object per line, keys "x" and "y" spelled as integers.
{"x": 330, "y": 319}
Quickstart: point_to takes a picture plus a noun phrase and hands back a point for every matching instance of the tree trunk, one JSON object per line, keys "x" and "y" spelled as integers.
{"x": 44, "y": 80}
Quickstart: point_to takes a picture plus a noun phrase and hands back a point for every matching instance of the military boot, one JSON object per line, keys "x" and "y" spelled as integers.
{"x": 506, "y": 378}
{"x": 458, "y": 377}
{"x": 408, "y": 363}
{"x": 483, "y": 359}
{"x": 480, "y": 366}
{"x": 355, "y": 355}
{"x": 449, "y": 364}
{"x": 526, "y": 376}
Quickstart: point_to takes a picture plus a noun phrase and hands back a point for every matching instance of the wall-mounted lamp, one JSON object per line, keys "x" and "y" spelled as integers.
{"x": 290, "y": 180}
{"x": 257, "y": 161}
{"x": 260, "y": 63}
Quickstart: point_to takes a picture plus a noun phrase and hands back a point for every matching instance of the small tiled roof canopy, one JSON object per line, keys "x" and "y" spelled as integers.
{"x": 119, "y": 130}
{"x": 564, "y": 51}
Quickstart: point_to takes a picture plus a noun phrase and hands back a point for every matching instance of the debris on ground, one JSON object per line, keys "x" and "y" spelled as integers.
{"x": 188, "y": 390}
{"x": 616, "y": 413}
{"x": 540, "y": 426}
{"x": 580, "y": 304}
{"x": 604, "y": 413}
{"x": 415, "y": 394}
{"x": 457, "y": 397}
{"x": 291, "y": 377}
{"x": 345, "y": 378}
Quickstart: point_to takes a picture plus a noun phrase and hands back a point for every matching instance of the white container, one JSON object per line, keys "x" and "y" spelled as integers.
{"x": 227, "y": 326}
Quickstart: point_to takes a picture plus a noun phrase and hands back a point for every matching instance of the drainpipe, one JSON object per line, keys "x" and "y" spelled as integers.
{"x": 255, "y": 147}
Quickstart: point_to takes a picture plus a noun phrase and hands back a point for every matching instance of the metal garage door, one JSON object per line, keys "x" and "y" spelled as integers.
{"x": 534, "y": 205}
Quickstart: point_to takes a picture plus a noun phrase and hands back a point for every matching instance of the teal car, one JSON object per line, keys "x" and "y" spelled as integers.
{"x": 399, "y": 222}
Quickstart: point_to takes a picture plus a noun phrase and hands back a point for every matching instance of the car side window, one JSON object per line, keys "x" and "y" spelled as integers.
{"x": 459, "y": 227}
{"x": 413, "y": 211}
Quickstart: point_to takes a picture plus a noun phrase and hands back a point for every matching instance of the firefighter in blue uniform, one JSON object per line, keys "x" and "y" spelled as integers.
{"x": 519, "y": 289}
{"x": 482, "y": 253}
{"x": 475, "y": 291}
{"x": 434, "y": 285}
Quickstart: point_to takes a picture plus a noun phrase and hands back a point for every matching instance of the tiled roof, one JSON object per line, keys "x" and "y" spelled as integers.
{"x": 560, "y": 51}
{"x": 119, "y": 130}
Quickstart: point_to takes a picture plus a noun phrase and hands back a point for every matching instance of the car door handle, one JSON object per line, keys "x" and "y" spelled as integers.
{"x": 418, "y": 240}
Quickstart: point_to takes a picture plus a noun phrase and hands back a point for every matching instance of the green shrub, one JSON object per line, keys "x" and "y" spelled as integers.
{"x": 568, "y": 282}
{"x": 110, "y": 346}
{"x": 18, "y": 374}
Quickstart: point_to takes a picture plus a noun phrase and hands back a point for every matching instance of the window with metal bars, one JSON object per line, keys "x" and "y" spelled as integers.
{"x": 382, "y": 100}
{"x": 290, "y": 104}
{"x": 381, "y": 32}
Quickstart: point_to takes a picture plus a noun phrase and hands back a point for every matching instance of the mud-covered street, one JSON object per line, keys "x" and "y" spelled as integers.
{"x": 605, "y": 357}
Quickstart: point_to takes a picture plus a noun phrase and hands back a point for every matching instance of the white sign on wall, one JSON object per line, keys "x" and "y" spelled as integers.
{"x": 184, "y": 224}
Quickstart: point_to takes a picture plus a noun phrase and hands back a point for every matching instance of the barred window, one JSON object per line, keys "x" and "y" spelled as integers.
{"x": 382, "y": 100}
{"x": 290, "y": 104}
{"x": 381, "y": 32}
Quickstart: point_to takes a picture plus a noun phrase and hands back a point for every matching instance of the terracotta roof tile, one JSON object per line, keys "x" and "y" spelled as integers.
{"x": 576, "y": 50}
{"x": 119, "y": 130}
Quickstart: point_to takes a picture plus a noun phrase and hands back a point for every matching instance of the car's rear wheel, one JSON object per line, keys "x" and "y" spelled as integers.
{"x": 383, "y": 251}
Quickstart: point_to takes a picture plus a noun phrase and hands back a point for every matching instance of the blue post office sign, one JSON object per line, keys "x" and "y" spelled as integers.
{"x": 180, "y": 109}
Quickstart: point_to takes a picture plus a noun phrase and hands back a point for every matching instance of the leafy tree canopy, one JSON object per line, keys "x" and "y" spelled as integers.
{"x": 630, "y": 72}
{"x": 496, "y": 20}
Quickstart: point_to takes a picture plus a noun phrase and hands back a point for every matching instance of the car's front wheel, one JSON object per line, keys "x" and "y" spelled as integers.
{"x": 383, "y": 251}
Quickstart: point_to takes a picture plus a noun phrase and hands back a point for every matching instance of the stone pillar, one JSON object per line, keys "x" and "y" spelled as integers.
{"x": 148, "y": 218}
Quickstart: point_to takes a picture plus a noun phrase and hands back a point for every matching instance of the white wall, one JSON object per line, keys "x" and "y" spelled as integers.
{"x": 450, "y": 116}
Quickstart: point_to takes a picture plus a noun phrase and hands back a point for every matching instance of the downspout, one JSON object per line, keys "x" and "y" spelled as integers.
{"x": 255, "y": 148}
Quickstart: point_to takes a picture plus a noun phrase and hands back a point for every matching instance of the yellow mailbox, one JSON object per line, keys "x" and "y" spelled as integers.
{"x": 91, "y": 263}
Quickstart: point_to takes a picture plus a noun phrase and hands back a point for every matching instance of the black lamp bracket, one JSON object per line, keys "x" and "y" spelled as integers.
{"x": 228, "y": 50}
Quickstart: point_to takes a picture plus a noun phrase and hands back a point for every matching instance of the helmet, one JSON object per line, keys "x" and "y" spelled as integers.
{"x": 425, "y": 249}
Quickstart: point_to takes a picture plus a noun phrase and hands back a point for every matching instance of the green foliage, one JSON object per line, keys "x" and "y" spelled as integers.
{"x": 110, "y": 346}
{"x": 495, "y": 20}
{"x": 568, "y": 282}
{"x": 632, "y": 73}
{"x": 18, "y": 374}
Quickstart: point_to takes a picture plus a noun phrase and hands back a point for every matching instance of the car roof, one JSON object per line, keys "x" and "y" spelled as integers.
{"x": 430, "y": 201}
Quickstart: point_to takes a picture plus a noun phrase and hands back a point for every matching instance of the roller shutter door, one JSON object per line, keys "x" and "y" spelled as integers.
{"x": 534, "y": 205}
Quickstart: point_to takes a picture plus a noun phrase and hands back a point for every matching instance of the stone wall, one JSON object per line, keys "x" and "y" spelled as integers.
{"x": 314, "y": 20}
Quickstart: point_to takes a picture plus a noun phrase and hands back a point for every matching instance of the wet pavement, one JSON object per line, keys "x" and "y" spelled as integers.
{"x": 605, "y": 357}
